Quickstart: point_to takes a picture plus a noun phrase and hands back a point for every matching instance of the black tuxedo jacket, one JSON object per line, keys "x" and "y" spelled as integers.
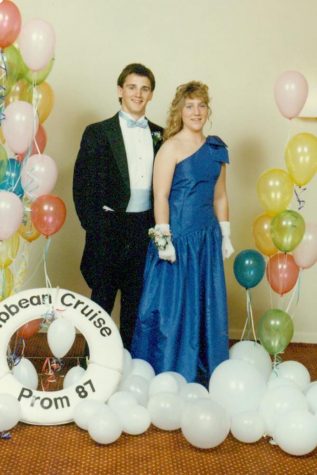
{"x": 101, "y": 177}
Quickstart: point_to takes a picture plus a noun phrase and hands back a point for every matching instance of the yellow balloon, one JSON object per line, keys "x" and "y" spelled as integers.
{"x": 20, "y": 91}
{"x": 301, "y": 158}
{"x": 275, "y": 190}
{"x": 43, "y": 100}
{"x": 2, "y": 139}
{"x": 6, "y": 283}
{"x": 28, "y": 231}
{"x": 8, "y": 250}
{"x": 262, "y": 234}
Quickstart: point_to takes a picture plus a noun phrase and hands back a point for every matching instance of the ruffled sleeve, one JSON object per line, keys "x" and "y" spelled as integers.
{"x": 218, "y": 148}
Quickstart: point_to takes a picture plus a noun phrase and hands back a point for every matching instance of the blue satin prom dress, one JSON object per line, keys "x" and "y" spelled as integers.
{"x": 182, "y": 318}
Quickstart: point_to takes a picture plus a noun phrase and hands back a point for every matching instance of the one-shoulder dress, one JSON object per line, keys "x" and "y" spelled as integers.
{"x": 182, "y": 317}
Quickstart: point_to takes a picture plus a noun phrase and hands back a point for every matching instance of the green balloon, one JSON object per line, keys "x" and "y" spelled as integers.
{"x": 11, "y": 62}
{"x": 3, "y": 161}
{"x": 287, "y": 230}
{"x": 36, "y": 77}
{"x": 275, "y": 330}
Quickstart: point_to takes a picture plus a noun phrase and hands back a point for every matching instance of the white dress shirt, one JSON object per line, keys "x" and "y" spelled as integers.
{"x": 140, "y": 155}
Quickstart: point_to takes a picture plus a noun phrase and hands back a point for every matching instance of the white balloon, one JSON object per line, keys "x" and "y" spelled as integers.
{"x": 237, "y": 386}
{"x": 127, "y": 363}
{"x": 73, "y": 375}
{"x": 10, "y": 412}
{"x": 138, "y": 386}
{"x": 254, "y": 354}
{"x": 105, "y": 427}
{"x": 191, "y": 391}
{"x": 278, "y": 401}
{"x": 311, "y": 396}
{"x": 247, "y": 426}
{"x": 26, "y": 373}
{"x": 121, "y": 401}
{"x": 60, "y": 336}
{"x": 205, "y": 424}
{"x": 84, "y": 411}
{"x": 296, "y": 432}
{"x": 179, "y": 378}
{"x": 163, "y": 383}
{"x": 294, "y": 371}
{"x": 166, "y": 410}
{"x": 135, "y": 420}
{"x": 276, "y": 382}
{"x": 142, "y": 368}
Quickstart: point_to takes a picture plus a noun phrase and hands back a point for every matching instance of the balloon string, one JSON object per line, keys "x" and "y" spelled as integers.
{"x": 3, "y": 76}
{"x": 249, "y": 320}
{"x": 5, "y": 435}
{"x": 276, "y": 362}
{"x": 20, "y": 272}
{"x": 50, "y": 367}
{"x": 296, "y": 292}
{"x": 298, "y": 191}
{"x": 45, "y": 253}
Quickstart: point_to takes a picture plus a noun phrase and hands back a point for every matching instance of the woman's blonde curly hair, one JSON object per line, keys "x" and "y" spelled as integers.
{"x": 192, "y": 90}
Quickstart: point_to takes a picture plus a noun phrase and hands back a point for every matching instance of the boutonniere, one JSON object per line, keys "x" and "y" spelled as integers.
{"x": 156, "y": 137}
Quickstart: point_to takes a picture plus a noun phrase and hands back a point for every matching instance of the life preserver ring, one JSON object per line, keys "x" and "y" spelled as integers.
{"x": 105, "y": 345}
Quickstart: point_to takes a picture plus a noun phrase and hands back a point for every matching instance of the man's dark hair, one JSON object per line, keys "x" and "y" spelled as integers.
{"x": 140, "y": 70}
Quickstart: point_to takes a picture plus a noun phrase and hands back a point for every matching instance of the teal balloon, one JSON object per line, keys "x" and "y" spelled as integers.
{"x": 11, "y": 180}
{"x": 275, "y": 330}
{"x": 249, "y": 268}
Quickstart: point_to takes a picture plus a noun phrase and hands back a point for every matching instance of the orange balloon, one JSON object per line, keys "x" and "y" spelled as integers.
{"x": 262, "y": 234}
{"x": 48, "y": 214}
{"x": 29, "y": 329}
{"x": 282, "y": 272}
{"x": 43, "y": 100}
{"x": 28, "y": 231}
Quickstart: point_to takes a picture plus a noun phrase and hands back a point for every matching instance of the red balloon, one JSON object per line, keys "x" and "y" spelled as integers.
{"x": 48, "y": 214}
{"x": 29, "y": 329}
{"x": 10, "y": 23}
{"x": 40, "y": 140}
{"x": 282, "y": 272}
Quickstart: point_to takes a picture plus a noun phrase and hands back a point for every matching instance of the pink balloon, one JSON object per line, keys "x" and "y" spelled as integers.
{"x": 305, "y": 254}
{"x": 10, "y": 23}
{"x": 290, "y": 92}
{"x": 38, "y": 175}
{"x": 37, "y": 43}
{"x": 19, "y": 125}
{"x": 11, "y": 214}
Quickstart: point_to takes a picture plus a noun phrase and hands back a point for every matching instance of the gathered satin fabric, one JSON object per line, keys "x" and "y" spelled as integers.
{"x": 182, "y": 318}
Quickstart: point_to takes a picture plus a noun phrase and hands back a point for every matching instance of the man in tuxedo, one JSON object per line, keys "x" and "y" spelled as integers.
{"x": 112, "y": 192}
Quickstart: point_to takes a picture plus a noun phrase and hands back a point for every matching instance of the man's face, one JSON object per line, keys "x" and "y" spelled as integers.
{"x": 135, "y": 94}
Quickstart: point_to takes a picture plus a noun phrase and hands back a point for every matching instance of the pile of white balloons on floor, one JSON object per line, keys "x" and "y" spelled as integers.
{"x": 246, "y": 396}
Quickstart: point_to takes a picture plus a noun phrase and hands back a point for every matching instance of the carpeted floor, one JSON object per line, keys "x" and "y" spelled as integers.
{"x": 67, "y": 450}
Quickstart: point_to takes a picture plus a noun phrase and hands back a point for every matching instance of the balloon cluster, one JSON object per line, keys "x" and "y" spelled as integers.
{"x": 281, "y": 234}
{"x": 246, "y": 396}
{"x": 27, "y": 175}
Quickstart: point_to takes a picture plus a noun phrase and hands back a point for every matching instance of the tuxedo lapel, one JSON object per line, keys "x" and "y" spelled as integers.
{"x": 157, "y": 138}
{"x": 115, "y": 138}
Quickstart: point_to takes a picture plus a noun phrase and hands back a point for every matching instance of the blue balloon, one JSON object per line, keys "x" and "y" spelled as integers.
{"x": 249, "y": 268}
{"x": 11, "y": 180}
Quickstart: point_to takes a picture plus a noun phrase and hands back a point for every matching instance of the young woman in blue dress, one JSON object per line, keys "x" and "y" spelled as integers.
{"x": 182, "y": 317}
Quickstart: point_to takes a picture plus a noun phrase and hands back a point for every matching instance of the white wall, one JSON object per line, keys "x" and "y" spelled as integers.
{"x": 238, "y": 47}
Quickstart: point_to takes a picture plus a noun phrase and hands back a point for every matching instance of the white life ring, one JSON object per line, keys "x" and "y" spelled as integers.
{"x": 105, "y": 345}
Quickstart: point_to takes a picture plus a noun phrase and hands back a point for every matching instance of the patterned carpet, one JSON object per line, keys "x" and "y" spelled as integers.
{"x": 67, "y": 450}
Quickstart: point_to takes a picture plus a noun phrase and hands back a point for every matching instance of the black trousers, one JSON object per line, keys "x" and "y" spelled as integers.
{"x": 123, "y": 250}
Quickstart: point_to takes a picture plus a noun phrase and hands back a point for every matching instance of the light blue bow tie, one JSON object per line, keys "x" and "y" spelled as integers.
{"x": 143, "y": 123}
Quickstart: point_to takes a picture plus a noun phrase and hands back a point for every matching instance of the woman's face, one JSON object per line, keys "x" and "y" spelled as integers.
{"x": 194, "y": 114}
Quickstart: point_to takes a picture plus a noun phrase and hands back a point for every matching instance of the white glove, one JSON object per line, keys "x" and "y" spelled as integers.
{"x": 167, "y": 254}
{"x": 227, "y": 248}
